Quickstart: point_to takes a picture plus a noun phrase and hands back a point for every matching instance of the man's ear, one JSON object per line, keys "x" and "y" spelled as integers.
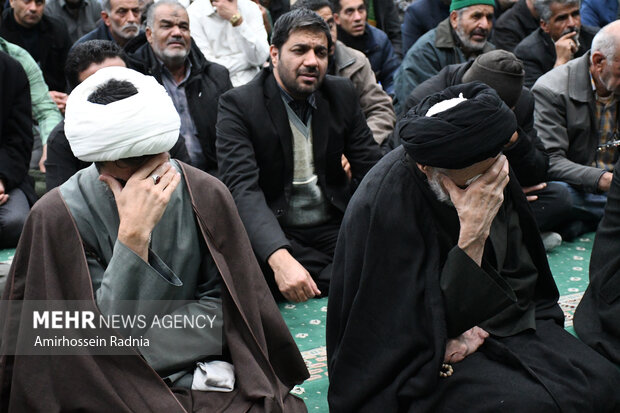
{"x": 454, "y": 16}
{"x": 598, "y": 60}
{"x": 336, "y": 18}
{"x": 274, "y": 53}
{"x": 104, "y": 16}
{"x": 544, "y": 26}
{"x": 424, "y": 168}
{"x": 149, "y": 35}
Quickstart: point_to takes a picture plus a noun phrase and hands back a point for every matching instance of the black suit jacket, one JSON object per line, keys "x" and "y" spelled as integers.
{"x": 255, "y": 151}
{"x": 53, "y": 46}
{"x": 537, "y": 51}
{"x": 15, "y": 127}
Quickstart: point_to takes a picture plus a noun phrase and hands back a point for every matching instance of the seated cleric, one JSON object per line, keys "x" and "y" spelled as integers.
{"x": 442, "y": 298}
{"x": 138, "y": 226}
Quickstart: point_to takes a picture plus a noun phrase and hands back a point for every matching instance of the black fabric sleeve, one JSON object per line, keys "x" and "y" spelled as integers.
{"x": 471, "y": 293}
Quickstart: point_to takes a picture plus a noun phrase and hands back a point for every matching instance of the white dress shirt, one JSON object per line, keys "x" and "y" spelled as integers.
{"x": 242, "y": 49}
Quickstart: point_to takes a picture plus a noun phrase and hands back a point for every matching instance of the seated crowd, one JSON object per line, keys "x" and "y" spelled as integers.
{"x": 220, "y": 156}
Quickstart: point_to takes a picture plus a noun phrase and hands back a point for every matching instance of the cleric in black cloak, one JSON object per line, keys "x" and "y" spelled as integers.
{"x": 597, "y": 318}
{"x": 442, "y": 298}
{"x": 134, "y": 227}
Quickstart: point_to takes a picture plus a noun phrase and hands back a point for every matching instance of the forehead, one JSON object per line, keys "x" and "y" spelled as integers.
{"x": 125, "y": 4}
{"x": 171, "y": 12}
{"x": 311, "y": 38}
{"x": 559, "y": 8}
{"x": 110, "y": 61}
{"x": 478, "y": 9}
{"x": 472, "y": 170}
{"x": 346, "y": 4}
{"x": 325, "y": 13}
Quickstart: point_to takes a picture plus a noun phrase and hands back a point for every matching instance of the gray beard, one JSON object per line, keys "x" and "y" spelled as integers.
{"x": 437, "y": 189}
{"x": 467, "y": 43}
{"x": 440, "y": 193}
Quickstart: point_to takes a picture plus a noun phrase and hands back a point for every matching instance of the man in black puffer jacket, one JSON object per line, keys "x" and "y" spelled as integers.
{"x": 167, "y": 52}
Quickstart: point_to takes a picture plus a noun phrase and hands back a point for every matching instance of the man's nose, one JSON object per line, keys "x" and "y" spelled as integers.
{"x": 357, "y": 15}
{"x": 133, "y": 16}
{"x": 311, "y": 59}
{"x": 573, "y": 22}
{"x": 485, "y": 23}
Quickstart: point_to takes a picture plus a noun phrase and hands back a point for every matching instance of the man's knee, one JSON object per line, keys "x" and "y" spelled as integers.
{"x": 12, "y": 222}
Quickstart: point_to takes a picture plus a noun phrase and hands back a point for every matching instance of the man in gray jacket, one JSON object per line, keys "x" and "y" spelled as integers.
{"x": 576, "y": 116}
{"x": 347, "y": 62}
{"x": 461, "y": 37}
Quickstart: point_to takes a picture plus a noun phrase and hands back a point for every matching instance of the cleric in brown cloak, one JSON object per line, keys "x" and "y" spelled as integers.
{"x": 137, "y": 226}
{"x": 442, "y": 298}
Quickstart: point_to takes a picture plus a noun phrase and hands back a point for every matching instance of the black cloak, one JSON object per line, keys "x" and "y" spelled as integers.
{"x": 597, "y": 318}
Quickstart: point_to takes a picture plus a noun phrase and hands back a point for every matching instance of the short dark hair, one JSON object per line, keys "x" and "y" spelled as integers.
{"x": 111, "y": 91}
{"x": 299, "y": 19}
{"x": 337, "y": 6}
{"x": 82, "y": 55}
{"x": 313, "y": 5}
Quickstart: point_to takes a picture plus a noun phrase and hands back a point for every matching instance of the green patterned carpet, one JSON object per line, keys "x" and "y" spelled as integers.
{"x": 569, "y": 265}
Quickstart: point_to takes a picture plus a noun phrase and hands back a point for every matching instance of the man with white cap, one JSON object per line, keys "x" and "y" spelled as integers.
{"x": 136, "y": 229}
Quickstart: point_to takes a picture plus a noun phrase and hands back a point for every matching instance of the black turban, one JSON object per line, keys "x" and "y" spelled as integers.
{"x": 470, "y": 132}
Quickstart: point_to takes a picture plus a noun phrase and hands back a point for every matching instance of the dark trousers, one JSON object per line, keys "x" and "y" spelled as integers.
{"x": 313, "y": 248}
{"x": 553, "y": 208}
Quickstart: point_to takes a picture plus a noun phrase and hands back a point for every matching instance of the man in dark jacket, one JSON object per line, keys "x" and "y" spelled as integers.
{"x": 45, "y": 38}
{"x": 559, "y": 39}
{"x": 195, "y": 84}
{"x": 280, "y": 139}
{"x": 355, "y": 32}
{"x": 501, "y": 70}
{"x": 15, "y": 147}
{"x": 515, "y": 25}
{"x": 120, "y": 22}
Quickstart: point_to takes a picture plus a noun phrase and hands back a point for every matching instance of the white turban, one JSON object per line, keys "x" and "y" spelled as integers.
{"x": 146, "y": 123}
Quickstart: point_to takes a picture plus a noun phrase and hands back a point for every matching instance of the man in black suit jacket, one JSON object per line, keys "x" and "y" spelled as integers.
{"x": 280, "y": 139}
{"x": 16, "y": 191}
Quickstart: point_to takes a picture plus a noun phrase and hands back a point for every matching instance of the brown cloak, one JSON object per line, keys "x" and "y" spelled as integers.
{"x": 267, "y": 361}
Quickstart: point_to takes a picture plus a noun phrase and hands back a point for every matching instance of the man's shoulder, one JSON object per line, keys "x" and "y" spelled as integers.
{"x": 377, "y": 34}
{"x": 531, "y": 45}
{"x": 557, "y": 79}
{"x": 98, "y": 33}
{"x": 54, "y": 25}
{"x": 8, "y": 63}
{"x": 253, "y": 89}
{"x": 425, "y": 41}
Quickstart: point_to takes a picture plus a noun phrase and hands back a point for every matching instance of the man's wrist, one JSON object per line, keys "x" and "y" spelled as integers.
{"x": 236, "y": 19}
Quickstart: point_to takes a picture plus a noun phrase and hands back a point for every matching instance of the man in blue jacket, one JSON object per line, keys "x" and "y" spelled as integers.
{"x": 355, "y": 32}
